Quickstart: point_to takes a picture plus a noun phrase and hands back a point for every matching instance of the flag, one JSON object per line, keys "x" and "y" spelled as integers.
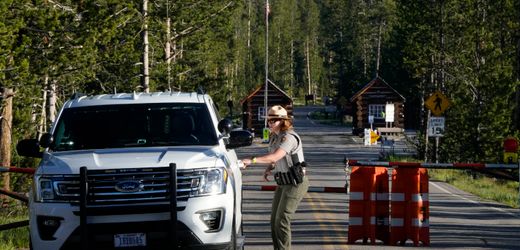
{"x": 267, "y": 9}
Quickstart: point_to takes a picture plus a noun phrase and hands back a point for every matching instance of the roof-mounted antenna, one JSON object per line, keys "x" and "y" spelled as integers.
{"x": 200, "y": 90}
{"x": 76, "y": 95}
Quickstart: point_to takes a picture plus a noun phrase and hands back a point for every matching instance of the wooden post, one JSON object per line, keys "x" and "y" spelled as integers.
{"x": 6, "y": 121}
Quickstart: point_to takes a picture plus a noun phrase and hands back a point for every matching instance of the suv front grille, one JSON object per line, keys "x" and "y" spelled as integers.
{"x": 148, "y": 186}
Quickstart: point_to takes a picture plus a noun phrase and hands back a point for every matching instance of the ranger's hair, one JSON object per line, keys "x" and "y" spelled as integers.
{"x": 287, "y": 124}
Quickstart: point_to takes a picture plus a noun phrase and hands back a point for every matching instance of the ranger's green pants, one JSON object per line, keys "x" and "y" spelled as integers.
{"x": 285, "y": 201}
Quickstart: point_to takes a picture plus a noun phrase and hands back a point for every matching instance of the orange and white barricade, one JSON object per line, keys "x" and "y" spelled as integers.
{"x": 410, "y": 212}
{"x": 368, "y": 205}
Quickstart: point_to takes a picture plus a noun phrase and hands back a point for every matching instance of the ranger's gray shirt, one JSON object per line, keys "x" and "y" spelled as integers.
{"x": 289, "y": 142}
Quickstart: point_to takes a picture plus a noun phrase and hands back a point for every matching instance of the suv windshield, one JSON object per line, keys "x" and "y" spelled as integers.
{"x": 134, "y": 125}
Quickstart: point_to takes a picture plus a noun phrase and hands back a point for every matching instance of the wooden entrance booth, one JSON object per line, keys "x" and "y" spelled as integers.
{"x": 253, "y": 106}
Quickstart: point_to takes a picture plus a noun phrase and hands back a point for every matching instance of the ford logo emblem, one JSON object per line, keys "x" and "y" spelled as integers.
{"x": 129, "y": 186}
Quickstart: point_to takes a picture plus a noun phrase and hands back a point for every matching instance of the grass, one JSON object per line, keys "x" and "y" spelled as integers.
{"x": 17, "y": 238}
{"x": 502, "y": 191}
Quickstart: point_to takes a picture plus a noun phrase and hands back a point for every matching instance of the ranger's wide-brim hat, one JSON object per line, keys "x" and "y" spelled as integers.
{"x": 277, "y": 111}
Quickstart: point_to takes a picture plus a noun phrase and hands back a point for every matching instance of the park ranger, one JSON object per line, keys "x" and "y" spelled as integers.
{"x": 286, "y": 163}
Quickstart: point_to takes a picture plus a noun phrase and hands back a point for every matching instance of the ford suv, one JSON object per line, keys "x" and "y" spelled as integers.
{"x": 137, "y": 171}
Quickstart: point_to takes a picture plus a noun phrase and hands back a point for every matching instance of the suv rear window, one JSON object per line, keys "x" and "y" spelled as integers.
{"x": 134, "y": 125}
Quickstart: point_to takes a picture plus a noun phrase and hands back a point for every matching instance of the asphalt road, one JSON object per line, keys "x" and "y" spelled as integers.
{"x": 458, "y": 220}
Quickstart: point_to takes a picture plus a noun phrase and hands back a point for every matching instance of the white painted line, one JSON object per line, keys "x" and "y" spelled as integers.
{"x": 474, "y": 202}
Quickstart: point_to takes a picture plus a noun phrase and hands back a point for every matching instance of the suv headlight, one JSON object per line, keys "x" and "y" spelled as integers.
{"x": 212, "y": 181}
{"x": 56, "y": 188}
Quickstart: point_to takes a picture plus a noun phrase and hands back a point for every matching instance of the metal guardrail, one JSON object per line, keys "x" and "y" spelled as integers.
{"x": 14, "y": 225}
{"x": 17, "y": 170}
{"x": 15, "y": 195}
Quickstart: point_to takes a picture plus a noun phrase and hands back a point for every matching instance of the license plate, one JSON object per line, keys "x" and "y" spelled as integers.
{"x": 130, "y": 240}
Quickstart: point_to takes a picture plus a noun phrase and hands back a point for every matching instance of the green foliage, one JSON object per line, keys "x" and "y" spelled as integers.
{"x": 464, "y": 49}
{"x": 17, "y": 238}
{"x": 502, "y": 191}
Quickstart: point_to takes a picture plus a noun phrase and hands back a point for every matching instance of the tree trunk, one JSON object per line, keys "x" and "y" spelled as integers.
{"x": 41, "y": 127}
{"x": 517, "y": 99}
{"x": 249, "y": 25}
{"x": 145, "y": 84}
{"x": 293, "y": 92}
{"x": 307, "y": 52}
{"x": 6, "y": 121}
{"x": 167, "y": 52}
{"x": 365, "y": 57}
{"x": 51, "y": 104}
{"x": 378, "y": 59}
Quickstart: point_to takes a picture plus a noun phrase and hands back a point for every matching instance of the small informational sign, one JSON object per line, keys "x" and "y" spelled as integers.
{"x": 265, "y": 135}
{"x": 366, "y": 137}
{"x": 436, "y": 126}
{"x": 370, "y": 119}
{"x": 371, "y": 137}
{"x": 261, "y": 113}
{"x": 389, "y": 112}
{"x": 374, "y": 136}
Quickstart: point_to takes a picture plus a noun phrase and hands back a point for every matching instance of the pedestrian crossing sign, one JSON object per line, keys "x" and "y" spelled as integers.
{"x": 437, "y": 103}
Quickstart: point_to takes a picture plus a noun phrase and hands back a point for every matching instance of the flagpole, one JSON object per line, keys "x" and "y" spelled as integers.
{"x": 266, "y": 58}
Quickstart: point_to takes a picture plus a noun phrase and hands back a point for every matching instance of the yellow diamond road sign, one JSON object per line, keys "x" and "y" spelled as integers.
{"x": 437, "y": 103}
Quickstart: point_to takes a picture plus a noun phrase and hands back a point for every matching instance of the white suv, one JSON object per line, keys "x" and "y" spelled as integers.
{"x": 139, "y": 171}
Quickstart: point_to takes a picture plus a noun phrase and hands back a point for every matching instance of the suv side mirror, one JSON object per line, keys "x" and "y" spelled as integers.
{"x": 239, "y": 138}
{"x": 46, "y": 140}
{"x": 29, "y": 148}
{"x": 225, "y": 126}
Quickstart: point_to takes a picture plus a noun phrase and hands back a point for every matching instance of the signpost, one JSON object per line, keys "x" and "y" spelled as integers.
{"x": 437, "y": 103}
{"x": 371, "y": 120}
{"x": 436, "y": 126}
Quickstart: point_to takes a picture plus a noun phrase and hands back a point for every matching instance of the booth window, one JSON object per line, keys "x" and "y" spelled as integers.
{"x": 377, "y": 110}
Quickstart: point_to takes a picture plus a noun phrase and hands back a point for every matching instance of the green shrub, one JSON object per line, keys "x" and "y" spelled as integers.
{"x": 17, "y": 238}
{"x": 502, "y": 191}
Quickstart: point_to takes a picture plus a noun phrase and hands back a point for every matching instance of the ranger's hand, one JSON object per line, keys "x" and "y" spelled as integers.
{"x": 267, "y": 172}
{"x": 246, "y": 162}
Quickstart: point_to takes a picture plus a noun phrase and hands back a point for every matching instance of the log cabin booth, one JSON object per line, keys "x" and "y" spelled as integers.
{"x": 372, "y": 100}
{"x": 253, "y": 106}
